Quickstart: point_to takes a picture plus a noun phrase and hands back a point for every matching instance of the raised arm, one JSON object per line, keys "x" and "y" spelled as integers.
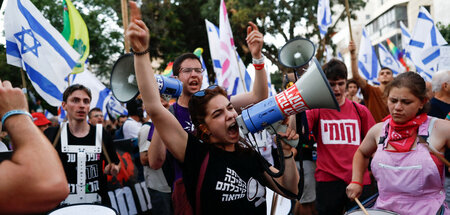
{"x": 33, "y": 180}
{"x": 354, "y": 62}
{"x": 169, "y": 129}
{"x": 255, "y": 41}
{"x": 361, "y": 160}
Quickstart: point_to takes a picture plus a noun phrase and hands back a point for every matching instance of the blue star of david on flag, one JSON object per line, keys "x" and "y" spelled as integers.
{"x": 388, "y": 61}
{"x": 22, "y": 37}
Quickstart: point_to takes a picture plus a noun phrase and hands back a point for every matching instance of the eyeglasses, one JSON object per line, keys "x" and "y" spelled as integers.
{"x": 189, "y": 70}
{"x": 201, "y": 93}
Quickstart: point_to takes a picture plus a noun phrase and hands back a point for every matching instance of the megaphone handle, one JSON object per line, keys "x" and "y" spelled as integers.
{"x": 278, "y": 127}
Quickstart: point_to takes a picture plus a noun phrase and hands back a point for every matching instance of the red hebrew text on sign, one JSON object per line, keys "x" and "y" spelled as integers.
{"x": 290, "y": 101}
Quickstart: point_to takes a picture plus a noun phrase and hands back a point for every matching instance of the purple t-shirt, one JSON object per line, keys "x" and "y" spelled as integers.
{"x": 182, "y": 115}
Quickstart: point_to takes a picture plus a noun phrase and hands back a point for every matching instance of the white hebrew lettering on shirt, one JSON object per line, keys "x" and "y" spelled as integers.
{"x": 92, "y": 156}
{"x": 232, "y": 187}
{"x": 91, "y": 171}
{"x": 345, "y": 131}
{"x": 71, "y": 158}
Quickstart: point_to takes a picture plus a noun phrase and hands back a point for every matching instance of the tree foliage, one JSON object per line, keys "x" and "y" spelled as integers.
{"x": 445, "y": 31}
{"x": 177, "y": 26}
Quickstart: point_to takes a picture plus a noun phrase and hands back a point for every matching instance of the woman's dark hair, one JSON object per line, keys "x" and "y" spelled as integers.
{"x": 414, "y": 82}
{"x": 177, "y": 63}
{"x": 335, "y": 70}
{"x": 197, "y": 110}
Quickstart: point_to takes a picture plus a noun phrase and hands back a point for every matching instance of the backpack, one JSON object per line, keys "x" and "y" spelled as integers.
{"x": 180, "y": 201}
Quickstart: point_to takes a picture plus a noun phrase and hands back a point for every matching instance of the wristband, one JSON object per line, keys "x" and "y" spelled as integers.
{"x": 140, "y": 53}
{"x": 258, "y": 61}
{"x": 448, "y": 116}
{"x": 258, "y": 66}
{"x": 358, "y": 183}
{"x": 289, "y": 156}
{"x": 14, "y": 112}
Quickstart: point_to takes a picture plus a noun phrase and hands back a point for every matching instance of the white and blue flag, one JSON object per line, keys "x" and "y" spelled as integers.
{"x": 33, "y": 44}
{"x": 115, "y": 108}
{"x": 367, "y": 59}
{"x": 323, "y": 16}
{"x": 216, "y": 57}
{"x": 424, "y": 45}
{"x": 387, "y": 60}
{"x": 406, "y": 36}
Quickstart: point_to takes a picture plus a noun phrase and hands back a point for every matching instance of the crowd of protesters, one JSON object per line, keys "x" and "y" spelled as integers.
{"x": 193, "y": 159}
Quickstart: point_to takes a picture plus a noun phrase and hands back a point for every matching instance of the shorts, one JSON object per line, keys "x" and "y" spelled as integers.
{"x": 309, "y": 188}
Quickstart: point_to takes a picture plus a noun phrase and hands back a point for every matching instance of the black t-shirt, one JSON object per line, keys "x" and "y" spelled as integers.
{"x": 95, "y": 179}
{"x": 234, "y": 182}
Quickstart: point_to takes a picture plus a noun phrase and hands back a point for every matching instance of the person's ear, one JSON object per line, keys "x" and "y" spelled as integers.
{"x": 63, "y": 104}
{"x": 204, "y": 129}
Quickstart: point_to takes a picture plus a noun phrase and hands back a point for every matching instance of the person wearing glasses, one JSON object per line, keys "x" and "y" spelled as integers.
{"x": 95, "y": 116}
{"x": 222, "y": 175}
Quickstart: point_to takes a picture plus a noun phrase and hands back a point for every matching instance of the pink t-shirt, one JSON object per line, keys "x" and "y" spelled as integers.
{"x": 338, "y": 136}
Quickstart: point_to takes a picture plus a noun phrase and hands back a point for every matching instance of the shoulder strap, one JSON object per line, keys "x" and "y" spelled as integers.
{"x": 384, "y": 132}
{"x": 361, "y": 134}
{"x": 58, "y": 134}
{"x": 199, "y": 183}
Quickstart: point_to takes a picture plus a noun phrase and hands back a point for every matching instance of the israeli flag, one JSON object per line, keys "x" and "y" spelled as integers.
{"x": 324, "y": 16}
{"x": 387, "y": 60}
{"x": 115, "y": 108}
{"x": 367, "y": 59}
{"x": 424, "y": 45}
{"x": 37, "y": 47}
{"x": 406, "y": 36}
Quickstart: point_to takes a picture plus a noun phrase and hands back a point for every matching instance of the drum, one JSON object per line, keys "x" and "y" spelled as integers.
{"x": 85, "y": 209}
{"x": 371, "y": 212}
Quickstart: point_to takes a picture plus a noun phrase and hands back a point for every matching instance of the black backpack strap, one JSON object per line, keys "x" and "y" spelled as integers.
{"x": 361, "y": 134}
{"x": 198, "y": 190}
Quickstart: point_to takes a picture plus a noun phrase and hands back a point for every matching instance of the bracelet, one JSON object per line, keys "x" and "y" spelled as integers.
{"x": 14, "y": 112}
{"x": 289, "y": 156}
{"x": 140, "y": 53}
{"x": 258, "y": 61}
{"x": 358, "y": 183}
{"x": 259, "y": 66}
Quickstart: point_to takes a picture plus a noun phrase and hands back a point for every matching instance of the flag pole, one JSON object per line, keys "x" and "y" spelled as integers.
{"x": 348, "y": 17}
{"x": 24, "y": 82}
{"x": 239, "y": 69}
{"x": 124, "y": 4}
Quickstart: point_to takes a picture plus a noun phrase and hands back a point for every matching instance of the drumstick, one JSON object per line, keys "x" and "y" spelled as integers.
{"x": 361, "y": 206}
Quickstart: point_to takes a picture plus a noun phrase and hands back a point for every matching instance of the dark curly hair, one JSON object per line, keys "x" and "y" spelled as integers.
{"x": 197, "y": 110}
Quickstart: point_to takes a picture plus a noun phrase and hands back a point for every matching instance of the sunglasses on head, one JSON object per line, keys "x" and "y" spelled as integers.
{"x": 201, "y": 93}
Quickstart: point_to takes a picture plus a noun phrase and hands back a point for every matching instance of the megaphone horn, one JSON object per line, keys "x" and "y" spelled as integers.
{"x": 123, "y": 81}
{"x": 312, "y": 90}
{"x": 296, "y": 52}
